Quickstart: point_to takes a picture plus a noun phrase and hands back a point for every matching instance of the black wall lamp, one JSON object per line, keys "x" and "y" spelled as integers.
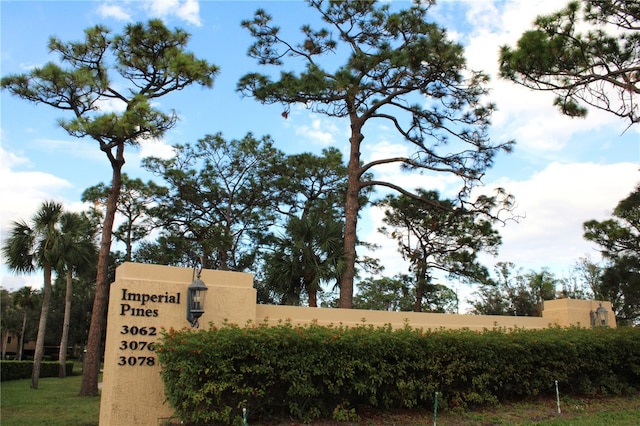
{"x": 600, "y": 318}
{"x": 195, "y": 298}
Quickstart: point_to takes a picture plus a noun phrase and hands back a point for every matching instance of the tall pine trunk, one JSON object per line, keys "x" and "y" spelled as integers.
{"x": 93, "y": 355}
{"x": 42, "y": 327}
{"x": 352, "y": 206}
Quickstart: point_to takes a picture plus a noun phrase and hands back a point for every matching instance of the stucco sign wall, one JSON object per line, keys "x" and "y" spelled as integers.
{"x": 146, "y": 299}
{"x": 143, "y": 301}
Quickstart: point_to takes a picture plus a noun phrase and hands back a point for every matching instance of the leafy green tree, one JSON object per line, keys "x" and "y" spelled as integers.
{"x": 135, "y": 200}
{"x": 32, "y": 246}
{"x": 220, "y": 201}
{"x": 572, "y": 288}
{"x": 385, "y": 294}
{"x": 444, "y": 238}
{"x": 621, "y": 285}
{"x": 587, "y": 53}
{"x": 513, "y": 292}
{"x": 166, "y": 249}
{"x": 620, "y": 235}
{"x": 399, "y": 294}
{"x": 82, "y": 292}
{"x": 78, "y": 253}
{"x": 543, "y": 287}
{"x": 438, "y": 298}
{"x": 312, "y": 182}
{"x": 149, "y": 61}
{"x": 308, "y": 252}
{"x": 619, "y": 241}
{"x": 9, "y": 320}
{"x": 584, "y": 282}
{"x": 396, "y": 68}
{"x": 489, "y": 300}
{"x": 590, "y": 273}
{"x": 25, "y": 300}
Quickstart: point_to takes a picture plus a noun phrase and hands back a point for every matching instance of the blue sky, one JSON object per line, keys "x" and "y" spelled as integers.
{"x": 562, "y": 172}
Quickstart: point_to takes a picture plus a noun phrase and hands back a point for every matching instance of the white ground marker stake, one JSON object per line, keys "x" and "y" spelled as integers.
{"x": 435, "y": 409}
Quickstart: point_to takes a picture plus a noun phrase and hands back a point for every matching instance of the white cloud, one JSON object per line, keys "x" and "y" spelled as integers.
{"x": 387, "y": 249}
{"x": 187, "y": 10}
{"x": 442, "y": 182}
{"x": 385, "y": 149}
{"x": 13, "y": 282}
{"x": 556, "y": 202}
{"x": 321, "y": 132}
{"x": 523, "y": 114}
{"x": 24, "y": 191}
{"x": 111, "y": 105}
{"x": 155, "y": 148}
{"x": 110, "y": 10}
{"x": 190, "y": 12}
{"x": 22, "y": 194}
{"x": 11, "y": 159}
{"x": 86, "y": 149}
{"x": 483, "y": 14}
{"x": 28, "y": 66}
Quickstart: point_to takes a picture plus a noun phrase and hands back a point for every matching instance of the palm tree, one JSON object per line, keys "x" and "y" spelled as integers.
{"x": 9, "y": 321}
{"x": 25, "y": 299}
{"x": 310, "y": 253}
{"x": 78, "y": 252}
{"x": 36, "y": 246}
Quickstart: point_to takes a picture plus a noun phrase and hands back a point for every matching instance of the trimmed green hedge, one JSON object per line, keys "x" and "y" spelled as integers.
{"x": 309, "y": 372}
{"x": 14, "y": 370}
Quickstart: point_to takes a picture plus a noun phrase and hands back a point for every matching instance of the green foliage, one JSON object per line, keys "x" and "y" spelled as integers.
{"x": 587, "y": 54}
{"x": 439, "y": 234}
{"x": 619, "y": 241}
{"x": 305, "y": 252}
{"x": 148, "y": 62}
{"x": 619, "y": 235}
{"x": 134, "y": 203}
{"x": 309, "y": 372}
{"x": 82, "y": 296}
{"x": 385, "y": 294}
{"x": 10, "y": 315}
{"x": 514, "y": 292}
{"x": 370, "y": 63}
{"x": 221, "y": 195}
{"x": 307, "y": 255}
{"x": 14, "y": 370}
{"x": 20, "y": 313}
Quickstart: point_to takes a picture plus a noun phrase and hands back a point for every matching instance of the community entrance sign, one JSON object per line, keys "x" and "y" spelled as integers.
{"x": 144, "y": 300}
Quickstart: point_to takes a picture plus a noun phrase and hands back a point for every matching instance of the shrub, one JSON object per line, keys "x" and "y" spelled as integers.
{"x": 309, "y": 372}
{"x": 14, "y": 370}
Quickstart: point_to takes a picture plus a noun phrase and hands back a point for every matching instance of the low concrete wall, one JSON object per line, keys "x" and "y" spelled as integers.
{"x": 146, "y": 299}
{"x": 352, "y": 317}
{"x": 572, "y": 312}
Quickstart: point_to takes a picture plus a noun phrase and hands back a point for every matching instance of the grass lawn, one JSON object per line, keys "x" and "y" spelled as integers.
{"x": 618, "y": 411}
{"x": 56, "y": 403}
